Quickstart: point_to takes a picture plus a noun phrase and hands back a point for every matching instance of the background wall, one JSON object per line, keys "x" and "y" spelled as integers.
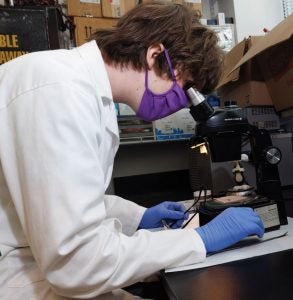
{"x": 250, "y": 16}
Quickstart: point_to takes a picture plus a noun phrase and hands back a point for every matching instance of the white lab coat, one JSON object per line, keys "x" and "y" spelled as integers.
{"x": 60, "y": 235}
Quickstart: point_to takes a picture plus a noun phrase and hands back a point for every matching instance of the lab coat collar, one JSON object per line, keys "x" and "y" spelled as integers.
{"x": 91, "y": 55}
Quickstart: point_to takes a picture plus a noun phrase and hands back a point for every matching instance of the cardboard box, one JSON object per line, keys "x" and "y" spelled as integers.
{"x": 267, "y": 60}
{"x": 193, "y": 4}
{"x": 250, "y": 93}
{"x": 179, "y": 125}
{"x": 85, "y": 27}
{"x": 277, "y": 68}
{"x": 172, "y": 1}
{"x": 165, "y": 128}
{"x": 117, "y": 8}
{"x": 84, "y": 8}
{"x": 245, "y": 85}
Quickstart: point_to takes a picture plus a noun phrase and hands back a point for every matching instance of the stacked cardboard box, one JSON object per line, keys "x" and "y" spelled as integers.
{"x": 172, "y": 1}
{"x": 85, "y": 27}
{"x": 82, "y": 8}
{"x": 193, "y": 4}
{"x": 117, "y": 8}
{"x": 90, "y": 15}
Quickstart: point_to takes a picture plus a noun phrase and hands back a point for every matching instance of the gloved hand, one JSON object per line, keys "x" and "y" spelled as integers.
{"x": 171, "y": 212}
{"x": 229, "y": 227}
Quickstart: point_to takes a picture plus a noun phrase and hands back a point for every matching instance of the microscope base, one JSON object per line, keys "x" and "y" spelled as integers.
{"x": 267, "y": 209}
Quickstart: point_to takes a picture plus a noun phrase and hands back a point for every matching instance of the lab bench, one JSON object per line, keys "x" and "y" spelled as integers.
{"x": 267, "y": 276}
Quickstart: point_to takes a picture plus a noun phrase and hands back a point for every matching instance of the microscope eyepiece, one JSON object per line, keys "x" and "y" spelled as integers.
{"x": 200, "y": 109}
{"x": 194, "y": 96}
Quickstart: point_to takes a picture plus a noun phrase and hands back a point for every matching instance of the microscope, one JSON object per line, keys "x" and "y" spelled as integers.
{"x": 220, "y": 136}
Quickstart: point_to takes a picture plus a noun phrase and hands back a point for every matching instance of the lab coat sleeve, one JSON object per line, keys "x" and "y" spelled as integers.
{"x": 54, "y": 171}
{"x": 128, "y": 213}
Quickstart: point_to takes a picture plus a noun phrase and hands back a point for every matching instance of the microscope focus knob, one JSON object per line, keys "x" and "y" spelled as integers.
{"x": 273, "y": 155}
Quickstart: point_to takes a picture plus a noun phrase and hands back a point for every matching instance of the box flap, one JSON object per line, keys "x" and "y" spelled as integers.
{"x": 231, "y": 59}
{"x": 283, "y": 31}
{"x": 252, "y": 40}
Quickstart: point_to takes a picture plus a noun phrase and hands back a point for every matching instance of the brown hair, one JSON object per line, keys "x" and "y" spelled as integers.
{"x": 192, "y": 47}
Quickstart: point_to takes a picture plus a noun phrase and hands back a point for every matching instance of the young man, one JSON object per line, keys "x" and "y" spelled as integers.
{"x": 60, "y": 235}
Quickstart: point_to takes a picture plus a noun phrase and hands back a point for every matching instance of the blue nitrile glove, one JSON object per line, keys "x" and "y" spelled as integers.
{"x": 229, "y": 227}
{"x": 171, "y": 212}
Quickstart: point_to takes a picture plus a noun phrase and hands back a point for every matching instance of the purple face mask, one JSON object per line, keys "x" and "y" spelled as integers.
{"x": 156, "y": 106}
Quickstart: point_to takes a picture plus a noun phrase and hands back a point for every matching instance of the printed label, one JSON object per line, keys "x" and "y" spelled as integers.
{"x": 9, "y": 47}
{"x": 193, "y": 1}
{"x": 91, "y": 1}
{"x": 269, "y": 215}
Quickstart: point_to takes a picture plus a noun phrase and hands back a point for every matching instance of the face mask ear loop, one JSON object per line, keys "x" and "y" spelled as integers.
{"x": 170, "y": 67}
{"x": 170, "y": 64}
{"x": 146, "y": 78}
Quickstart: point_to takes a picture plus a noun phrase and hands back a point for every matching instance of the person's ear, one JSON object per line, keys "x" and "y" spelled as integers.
{"x": 177, "y": 75}
{"x": 153, "y": 51}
